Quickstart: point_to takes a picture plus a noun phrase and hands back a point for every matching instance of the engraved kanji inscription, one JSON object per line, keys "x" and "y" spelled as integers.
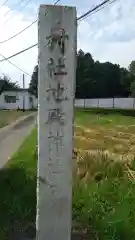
{"x": 56, "y": 115}
{"x": 57, "y": 93}
{"x": 57, "y": 37}
{"x": 51, "y": 67}
{"x": 56, "y": 69}
{"x": 57, "y": 137}
{"x": 61, "y": 67}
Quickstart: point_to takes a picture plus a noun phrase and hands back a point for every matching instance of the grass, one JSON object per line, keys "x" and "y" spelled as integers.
{"x": 9, "y": 116}
{"x": 104, "y": 186}
{"x": 104, "y": 179}
{"x": 18, "y": 191}
{"x": 107, "y": 208}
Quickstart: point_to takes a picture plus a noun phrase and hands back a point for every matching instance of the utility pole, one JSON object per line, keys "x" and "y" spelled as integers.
{"x": 56, "y": 91}
{"x": 23, "y": 93}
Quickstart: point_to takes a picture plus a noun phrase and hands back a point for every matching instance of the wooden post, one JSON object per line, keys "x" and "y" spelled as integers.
{"x": 57, "y": 69}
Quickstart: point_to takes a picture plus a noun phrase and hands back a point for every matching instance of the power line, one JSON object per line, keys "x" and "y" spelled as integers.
{"x": 15, "y": 65}
{"x": 14, "y": 55}
{"x": 6, "y": 40}
{"x": 19, "y": 11}
{"x": 3, "y": 4}
{"x": 99, "y": 9}
{"x": 79, "y": 18}
{"x": 12, "y": 8}
{"x": 93, "y": 9}
{"x": 26, "y": 5}
{"x": 32, "y": 0}
{"x": 56, "y": 2}
{"x": 5, "y": 59}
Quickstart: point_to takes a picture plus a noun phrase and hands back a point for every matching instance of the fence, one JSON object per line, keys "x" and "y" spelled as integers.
{"x": 118, "y": 103}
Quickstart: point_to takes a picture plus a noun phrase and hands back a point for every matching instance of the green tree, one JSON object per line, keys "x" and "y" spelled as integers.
{"x": 7, "y": 84}
{"x": 100, "y": 80}
{"x": 33, "y": 86}
{"x": 95, "y": 79}
{"x": 132, "y": 67}
{"x": 132, "y": 78}
{"x": 132, "y": 88}
{"x": 84, "y": 79}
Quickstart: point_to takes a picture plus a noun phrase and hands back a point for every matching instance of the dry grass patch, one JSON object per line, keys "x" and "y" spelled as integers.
{"x": 9, "y": 116}
{"x": 104, "y": 139}
{"x": 98, "y": 165}
{"x": 104, "y": 186}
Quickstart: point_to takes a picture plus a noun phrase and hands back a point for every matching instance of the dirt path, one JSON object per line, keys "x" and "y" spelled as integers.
{"x": 13, "y": 136}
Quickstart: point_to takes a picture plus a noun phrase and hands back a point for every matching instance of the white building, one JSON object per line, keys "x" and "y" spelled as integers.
{"x": 17, "y": 99}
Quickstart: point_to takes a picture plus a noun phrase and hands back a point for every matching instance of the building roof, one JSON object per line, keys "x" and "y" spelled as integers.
{"x": 17, "y": 90}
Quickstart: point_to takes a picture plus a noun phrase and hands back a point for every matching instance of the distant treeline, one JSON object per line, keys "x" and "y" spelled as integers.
{"x": 98, "y": 80}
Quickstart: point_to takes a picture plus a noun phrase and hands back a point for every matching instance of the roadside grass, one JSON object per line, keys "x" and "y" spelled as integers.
{"x": 103, "y": 180}
{"x": 9, "y": 116}
{"x": 18, "y": 191}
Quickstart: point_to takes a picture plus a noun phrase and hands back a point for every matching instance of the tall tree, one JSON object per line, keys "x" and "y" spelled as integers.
{"x": 132, "y": 67}
{"x": 95, "y": 79}
{"x": 7, "y": 84}
{"x": 132, "y": 77}
{"x": 132, "y": 88}
{"x": 85, "y": 64}
{"x": 33, "y": 86}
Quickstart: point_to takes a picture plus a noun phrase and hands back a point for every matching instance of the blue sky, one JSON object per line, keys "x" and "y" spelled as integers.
{"x": 109, "y": 35}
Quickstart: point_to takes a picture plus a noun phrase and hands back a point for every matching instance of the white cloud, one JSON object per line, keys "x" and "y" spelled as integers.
{"x": 109, "y": 35}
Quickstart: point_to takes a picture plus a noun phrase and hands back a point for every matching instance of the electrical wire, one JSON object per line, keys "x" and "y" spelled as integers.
{"x": 15, "y": 65}
{"x": 25, "y": 50}
{"x": 3, "y": 4}
{"x": 31, "y": 1}
{"x": 56, "y": 2}
{"x": 22, "y": 51}
{"x": 6, "y": 40}
{"x": 79, "y": 18}
{"x": 19, "y": 11}
{"x": 12, "y": 8}
{"x": 97, "y": 10}
{"x": 25, "y": 5}
{"x": 93, "y": 9}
